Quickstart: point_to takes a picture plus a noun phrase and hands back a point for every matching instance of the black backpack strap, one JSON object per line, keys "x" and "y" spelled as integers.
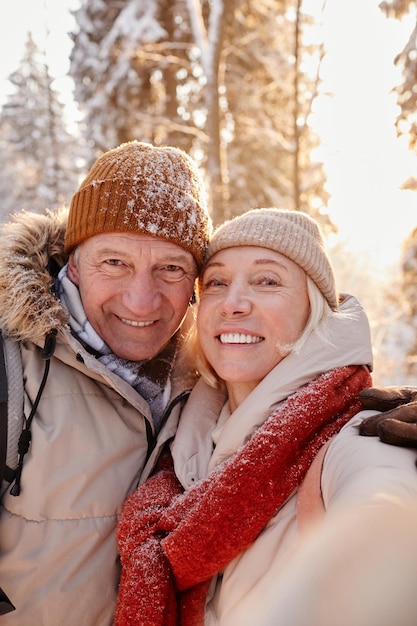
{"x": 3, "y": 410}
{"x": 5, "y": 603}
{"x": 11, "y": 398}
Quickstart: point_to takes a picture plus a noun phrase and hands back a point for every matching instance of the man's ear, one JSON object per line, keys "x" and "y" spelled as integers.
{"x": 73, "y": 268}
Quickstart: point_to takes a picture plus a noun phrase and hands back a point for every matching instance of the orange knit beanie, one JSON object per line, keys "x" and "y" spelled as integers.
{"x": 141, "y": 188}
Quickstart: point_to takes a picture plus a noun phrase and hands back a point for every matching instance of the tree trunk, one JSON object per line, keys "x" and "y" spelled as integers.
{"x": 296, "y": 175}
{"x": 216, "y": 155}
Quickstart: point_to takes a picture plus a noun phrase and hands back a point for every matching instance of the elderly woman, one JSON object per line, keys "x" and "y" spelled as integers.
{"x": 282, "y": 358}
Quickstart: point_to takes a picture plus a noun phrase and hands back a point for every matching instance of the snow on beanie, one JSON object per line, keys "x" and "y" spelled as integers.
{"x": 292, "y": 233}
{"x": 141, "y": 188}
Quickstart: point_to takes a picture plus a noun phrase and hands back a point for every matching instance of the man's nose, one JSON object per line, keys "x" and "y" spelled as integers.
{"x": 142, "y": 294}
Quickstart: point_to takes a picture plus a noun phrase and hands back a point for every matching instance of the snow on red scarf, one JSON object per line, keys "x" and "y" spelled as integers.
{"x": 172, "y": 543}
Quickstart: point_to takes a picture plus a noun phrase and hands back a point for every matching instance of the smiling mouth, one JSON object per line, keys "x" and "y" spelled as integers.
{"x": 136, "y": 324}
{"x": 239, "y": 338}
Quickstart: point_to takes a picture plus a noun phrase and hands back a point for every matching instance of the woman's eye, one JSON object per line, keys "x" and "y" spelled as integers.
{"x": 213, "y": 282}
{"x": 268, "y": 281}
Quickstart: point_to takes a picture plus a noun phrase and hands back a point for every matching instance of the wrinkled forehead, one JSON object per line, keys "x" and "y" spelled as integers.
{"x": 245, "y": 256}
{"x": 136, "y": 244}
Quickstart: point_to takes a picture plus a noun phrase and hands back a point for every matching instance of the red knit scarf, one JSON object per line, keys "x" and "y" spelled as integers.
{"x": 172, "y": 543}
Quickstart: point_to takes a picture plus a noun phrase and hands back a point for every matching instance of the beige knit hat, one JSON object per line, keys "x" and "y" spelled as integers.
{"x": 141, "y": 188}
{"x": 292, "y": 233}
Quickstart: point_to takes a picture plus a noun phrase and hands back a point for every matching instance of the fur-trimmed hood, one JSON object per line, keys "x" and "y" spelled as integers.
{"x": 31, "y": 250}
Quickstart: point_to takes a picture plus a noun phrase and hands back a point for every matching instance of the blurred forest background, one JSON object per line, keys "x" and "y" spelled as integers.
{"x": 232, "y": 82}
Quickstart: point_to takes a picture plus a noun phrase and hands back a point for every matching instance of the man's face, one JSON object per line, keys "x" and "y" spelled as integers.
{"x": 135, "y": 290}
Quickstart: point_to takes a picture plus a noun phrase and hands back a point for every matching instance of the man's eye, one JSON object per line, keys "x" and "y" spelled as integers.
{"x": 113, "y": 262}
{"x": 172, "y": 272}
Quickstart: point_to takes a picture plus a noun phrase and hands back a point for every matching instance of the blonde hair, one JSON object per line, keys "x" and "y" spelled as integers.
{"x": 319, "y": 310}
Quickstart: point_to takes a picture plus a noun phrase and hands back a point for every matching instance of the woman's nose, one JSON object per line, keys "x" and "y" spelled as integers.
{"x": 235, "y": 302}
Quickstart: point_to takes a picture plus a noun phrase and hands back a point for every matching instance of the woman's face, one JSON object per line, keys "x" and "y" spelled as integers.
{"x": 253, "y": 301}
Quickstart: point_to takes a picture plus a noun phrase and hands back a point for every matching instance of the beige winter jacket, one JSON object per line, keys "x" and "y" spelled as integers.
{"x": 58, "y": 555}
{"x": 358, "y": 471}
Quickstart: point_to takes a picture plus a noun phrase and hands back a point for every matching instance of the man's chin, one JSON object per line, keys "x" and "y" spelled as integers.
{"x": 138, "y": 352}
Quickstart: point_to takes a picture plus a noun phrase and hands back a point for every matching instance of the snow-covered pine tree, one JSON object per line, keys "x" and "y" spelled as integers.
{"x": 406, "y": 59}
{"x": 38, "y": 155}
{"x": 219, "y": 79}
{"x": 128, "y": 62}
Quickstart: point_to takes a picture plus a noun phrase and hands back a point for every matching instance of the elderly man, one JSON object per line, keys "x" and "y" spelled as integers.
{"x": 111, "y": 283}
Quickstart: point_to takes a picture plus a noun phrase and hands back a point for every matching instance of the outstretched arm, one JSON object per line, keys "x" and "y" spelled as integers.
{"x": 397, "y": 422}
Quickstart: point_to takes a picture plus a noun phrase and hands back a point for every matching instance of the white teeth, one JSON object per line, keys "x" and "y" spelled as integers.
{"x": 239, "y": 338}
{"x": 137, "y": 324}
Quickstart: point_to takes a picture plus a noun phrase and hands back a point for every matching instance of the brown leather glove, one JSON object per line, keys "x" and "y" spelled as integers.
{"x": 397, "y": 424}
